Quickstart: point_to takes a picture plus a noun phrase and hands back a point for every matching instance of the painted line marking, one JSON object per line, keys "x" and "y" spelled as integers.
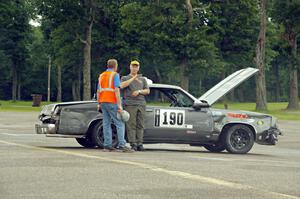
{"x": 217, "y": 159}
{"x": 237, "y": 159}
{"x": 182, "y": 174}
{"x": 271, "y": 162}
{"x": 10, "y": 134}
{"x": 18, "y": 134}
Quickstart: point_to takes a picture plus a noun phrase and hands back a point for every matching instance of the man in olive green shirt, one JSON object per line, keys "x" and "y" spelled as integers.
{"x": 134, "y": 102}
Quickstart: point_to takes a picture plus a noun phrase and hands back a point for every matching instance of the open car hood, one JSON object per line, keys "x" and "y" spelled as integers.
{"x": 227, "y": 84}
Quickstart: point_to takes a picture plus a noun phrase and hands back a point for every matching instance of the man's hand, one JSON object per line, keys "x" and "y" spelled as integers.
{"x": 99, "y": 108}
{"x": 135, "y": 93}
{"x": 120, "y": 109}
{"x": 126, "y": 83}
{"x": 135, "y": 76}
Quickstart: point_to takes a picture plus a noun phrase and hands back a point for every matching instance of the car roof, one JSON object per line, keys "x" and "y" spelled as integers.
{"x": 167, "y": 86}
{"x": 164, "y": 86}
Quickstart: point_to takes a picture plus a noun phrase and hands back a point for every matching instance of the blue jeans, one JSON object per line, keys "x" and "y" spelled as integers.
{"x": 109, "y": 112}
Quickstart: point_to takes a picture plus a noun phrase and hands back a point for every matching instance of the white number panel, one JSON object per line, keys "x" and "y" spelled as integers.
{"x": 169, "y": 118}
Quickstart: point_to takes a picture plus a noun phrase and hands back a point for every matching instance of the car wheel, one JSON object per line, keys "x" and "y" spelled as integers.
{"x": 216, "y": 147}
{"x": 85, "y": 142}
{"x": 98, "y": 136}
{"x": 239, "y": 139}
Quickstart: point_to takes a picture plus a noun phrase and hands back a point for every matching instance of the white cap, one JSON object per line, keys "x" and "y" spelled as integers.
{"x": 123, "y": 115}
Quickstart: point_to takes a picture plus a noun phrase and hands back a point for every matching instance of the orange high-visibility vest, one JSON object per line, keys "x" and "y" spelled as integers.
{"x": 106, "y": 90}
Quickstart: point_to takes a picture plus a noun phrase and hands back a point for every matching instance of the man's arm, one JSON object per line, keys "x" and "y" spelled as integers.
{"x": 117, "y": 85}
{"x": 140, "y": 92}
{"x": 126, "y": 83}
{"x": 144, "y": 91}
{"x": 118, "y": 96}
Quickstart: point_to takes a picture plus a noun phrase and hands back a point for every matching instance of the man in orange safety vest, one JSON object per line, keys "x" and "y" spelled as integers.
{"x": 110, "y": 102}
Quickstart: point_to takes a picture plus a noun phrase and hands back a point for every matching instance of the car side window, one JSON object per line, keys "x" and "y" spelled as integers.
{"x": 157, "y": 98}
{"x": 168, "y": 97}
{"x": 179, "y": 98}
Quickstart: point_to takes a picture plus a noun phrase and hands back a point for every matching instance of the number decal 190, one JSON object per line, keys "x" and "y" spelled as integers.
{"x": 169, "y": 118}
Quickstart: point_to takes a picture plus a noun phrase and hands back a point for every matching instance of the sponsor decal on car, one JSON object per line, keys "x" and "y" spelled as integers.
{"x": 237, "y": 115}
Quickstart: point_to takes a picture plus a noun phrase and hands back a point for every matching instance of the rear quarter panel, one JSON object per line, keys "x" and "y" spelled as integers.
{"x": 75, "y": 119}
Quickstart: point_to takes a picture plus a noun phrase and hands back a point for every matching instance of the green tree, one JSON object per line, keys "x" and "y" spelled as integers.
{"x": 14, "y": 31}
{"x": 170, "y": 37}
{"x": 76, "y": 18}
{"x": 236, "y": 24}
{"x": 35, "y": 75}
{"x": 287, "y": 13}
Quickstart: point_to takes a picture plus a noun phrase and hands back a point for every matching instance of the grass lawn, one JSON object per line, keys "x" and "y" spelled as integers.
{"x": 275, "y": 109}
{"x": 20, "y": 106}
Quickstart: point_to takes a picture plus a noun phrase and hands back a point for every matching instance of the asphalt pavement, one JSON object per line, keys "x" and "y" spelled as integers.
{"x": 34, "y": 166}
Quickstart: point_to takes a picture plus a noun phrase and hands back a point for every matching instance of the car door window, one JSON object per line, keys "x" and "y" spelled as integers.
{"x": 168, "y": 97}
{"x": 157, "y": 98}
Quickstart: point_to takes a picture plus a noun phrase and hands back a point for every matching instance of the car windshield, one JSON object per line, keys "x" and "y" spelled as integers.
{"x": 168, "y": 97}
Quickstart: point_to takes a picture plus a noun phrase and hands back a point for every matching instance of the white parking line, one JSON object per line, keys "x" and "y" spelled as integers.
{"x": 184, "y": 175}
{"x": 217, "y": 159}
{"x": 282, "y": 163}
{"x": 18, "y": 134}
{"x": 236, "y": 159}
{"x": 10, "y": 134}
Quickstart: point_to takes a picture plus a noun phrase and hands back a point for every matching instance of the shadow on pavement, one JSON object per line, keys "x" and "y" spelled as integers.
{"x": 80, "y": 148}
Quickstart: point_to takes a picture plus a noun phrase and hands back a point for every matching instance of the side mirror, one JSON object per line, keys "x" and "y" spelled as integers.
{"x": 199, "y": 105}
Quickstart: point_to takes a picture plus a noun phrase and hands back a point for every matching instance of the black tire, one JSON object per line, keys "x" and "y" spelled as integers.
{"x": 85, "y": 142}
{"x": 216, "y": 147}
{"x": 98, "y": 138}
{"x": 238, "y": 139}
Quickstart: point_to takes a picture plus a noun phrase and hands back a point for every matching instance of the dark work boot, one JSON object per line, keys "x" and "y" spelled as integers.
{"x": 133, "y": 147}
{"x": 140, "y": 148}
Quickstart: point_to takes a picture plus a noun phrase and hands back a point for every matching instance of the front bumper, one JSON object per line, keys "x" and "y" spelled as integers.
{"x": 45, "y": 128}
{"x": 268, "y": 137}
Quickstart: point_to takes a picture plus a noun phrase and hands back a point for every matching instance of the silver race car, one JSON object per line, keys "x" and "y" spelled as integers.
{"x": 172, "y": 116}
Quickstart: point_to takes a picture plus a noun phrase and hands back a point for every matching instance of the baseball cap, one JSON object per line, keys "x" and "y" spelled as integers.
{"x": 134, "y": 63}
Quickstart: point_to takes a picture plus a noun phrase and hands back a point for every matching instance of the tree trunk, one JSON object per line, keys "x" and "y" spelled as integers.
{"x": 74, "y": 91}
{"x": 87, "y": 62}
{"x": 87, "y": 50}
{"x": 200, "y": 85}
{"x": 59, "y": 89}
{"x": 184, "y": 67}
{"x": 232, "y": 95}
{"x": 190, "y": 11}
{"x": 240, "y": 93}
{"x": 184, "y": 75}
{"x": 76, "y": 85}
{"x": 14, "y": 82}
{"x": 49, "y": 80}
{"x": 261, "y": 93}
{"x": 293, "y": 99}
{"x": 277, "y": 84}
{"x": 225, "y": 97}
{"x": 19, "y": 91}
{"x": 18, "y": 87}
{"x": 157, "y": 73}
